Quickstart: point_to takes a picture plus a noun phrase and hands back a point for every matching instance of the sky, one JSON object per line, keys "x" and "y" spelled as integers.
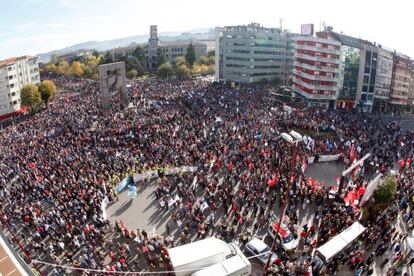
{"x": 37, "y": 26}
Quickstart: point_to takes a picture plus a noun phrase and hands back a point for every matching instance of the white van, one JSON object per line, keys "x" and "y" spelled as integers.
{"x": 238, "y": 265}
{"x": 188, "y": 258}
{"x": 338, "y": 243}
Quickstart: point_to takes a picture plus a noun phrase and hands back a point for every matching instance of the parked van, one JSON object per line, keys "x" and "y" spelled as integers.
{"x": 189, "y": 258}
{"x": 238, "y": 265}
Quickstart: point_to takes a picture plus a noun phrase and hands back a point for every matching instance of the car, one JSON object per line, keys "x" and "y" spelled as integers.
{"x": 285, "y": 236}
{"x": 257, "y": 247}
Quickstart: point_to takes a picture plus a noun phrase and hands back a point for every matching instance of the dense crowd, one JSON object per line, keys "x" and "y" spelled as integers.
{"x": 58, "y": 165}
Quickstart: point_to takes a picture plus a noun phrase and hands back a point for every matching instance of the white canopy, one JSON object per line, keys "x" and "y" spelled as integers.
{"x": 296, "y": 135}
{"x": 287, "y": 137}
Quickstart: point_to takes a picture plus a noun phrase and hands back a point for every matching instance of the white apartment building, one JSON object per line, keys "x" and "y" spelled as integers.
{"x": 251, "y": 53}
{"x": 15, "y": 73}
{"x": 317, "y": 70}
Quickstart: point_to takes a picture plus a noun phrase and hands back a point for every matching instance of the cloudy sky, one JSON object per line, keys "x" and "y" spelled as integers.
{"x": 35, "y": 26}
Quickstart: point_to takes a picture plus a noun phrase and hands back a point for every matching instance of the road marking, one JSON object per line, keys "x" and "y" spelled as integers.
{"x": 3, "y": 259}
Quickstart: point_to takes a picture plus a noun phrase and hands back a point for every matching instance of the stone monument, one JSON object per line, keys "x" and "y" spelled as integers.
{"x": 112, "y": 77}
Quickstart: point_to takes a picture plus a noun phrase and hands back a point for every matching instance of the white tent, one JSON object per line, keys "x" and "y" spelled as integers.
{"x": 296, "y": 135}
{"x": 287, "y": 137}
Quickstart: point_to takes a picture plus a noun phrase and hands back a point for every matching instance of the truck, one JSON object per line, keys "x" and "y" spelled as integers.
{"x": 238, "y": 265}
{"x": 189, "y": 258}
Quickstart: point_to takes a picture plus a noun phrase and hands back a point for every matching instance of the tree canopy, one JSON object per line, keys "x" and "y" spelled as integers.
{"x": 47, "y": 91}
{"x": 386, "y": 191}
{"x": 165, "y": 70}
{"x": 30, "y": 96}
{"x": 190, "y": 56}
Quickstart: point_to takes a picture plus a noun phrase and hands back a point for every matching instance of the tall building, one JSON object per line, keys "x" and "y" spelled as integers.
{"x": 411, "y": 89}
{"x": 316, "y": 74}
{"x": 359, "y": 70}
{"x": 383, "y": 81}
{"x": 250, "y": 53}
{"x": 15, "y": 73}
{"x": 401, "y": 79}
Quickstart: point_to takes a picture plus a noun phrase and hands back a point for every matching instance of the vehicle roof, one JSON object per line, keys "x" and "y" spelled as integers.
{"x": 226, "y": 267}
{"x": 283, "y": 232}
{"x": 195, "y": 251}
{"x": 340, "y": 241}
{"x": 257, "y": 243}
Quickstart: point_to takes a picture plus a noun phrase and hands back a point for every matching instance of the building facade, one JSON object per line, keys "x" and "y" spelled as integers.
{"x": 317, "y": 70}
{"x": 250, "y": 53}
{"x": 382, "y": 89}
{"x": 401, "y": 79}
{"x": 14, "y": 74}
{"x": 155, "y": 48}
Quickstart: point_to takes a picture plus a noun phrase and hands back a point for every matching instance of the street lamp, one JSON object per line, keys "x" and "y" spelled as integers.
{"x": 286, "y": 196}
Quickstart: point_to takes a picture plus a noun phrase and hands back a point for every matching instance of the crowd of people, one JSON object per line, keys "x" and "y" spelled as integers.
{"x": 58, "y": 165}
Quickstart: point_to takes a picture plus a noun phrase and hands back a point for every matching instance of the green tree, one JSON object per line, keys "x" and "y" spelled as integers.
{"x": 182, "y": 71}
{"x": 107, "y": 58}
{"x": 211, "y": 53}
{"x": 180, "y": 61}
{"x": 132, "y": 74}
{"x": 203, "y": 60}
{"x": 161, "y": 59}
{"x": 132, "y": 63}
{"x": 165, "y": 70}
{"x": 139, "y": 53}
{"x": 47, "y": 91}
{"x": 95, "y": 53}
{"x": 30, "y": 97}
{"x": 386, "y": 191}
{"x": 190, "y": 56}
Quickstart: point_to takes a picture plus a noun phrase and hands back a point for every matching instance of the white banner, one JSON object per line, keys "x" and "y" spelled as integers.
{"x": 154, "y": 174}
{"x": 324, "y": 158}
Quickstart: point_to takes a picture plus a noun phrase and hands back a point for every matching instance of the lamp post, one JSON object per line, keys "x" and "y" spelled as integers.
{"x": 286, "y": 197}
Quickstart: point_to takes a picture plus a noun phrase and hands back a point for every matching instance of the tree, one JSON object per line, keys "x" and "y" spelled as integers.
{"x": 161, "y": 59}
{"x": 95, "y": 53}
{"x": 139, "y": 54}
{"x": 199, "y": 69}
{"x": 107, "y": 58}
{"x": 132, "y": 74}
{"x": 165, "y": 70}
{"x": 77, "y": 69}
{"x": 47, "y": 91}
{"x": 182, "y": 71}
{"x": 211, "y": 53}
{"x": 50, "y": 67}
{"x": 180, "y": 61}
{"x": 63, "y": 68}
{"x": 30, "y": 96}
{"x": 190, "y": 56}
{"x": 132, "y": 63}
{"x": 386, "y": 191}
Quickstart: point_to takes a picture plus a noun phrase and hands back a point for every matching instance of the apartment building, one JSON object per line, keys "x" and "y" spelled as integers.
{"x": 251, "y": 53}
{"x": 317, "y": 70}
{"x": 383, "y": 80}
{"x": 401, "y": 80}
{"x": 15, "y": 73}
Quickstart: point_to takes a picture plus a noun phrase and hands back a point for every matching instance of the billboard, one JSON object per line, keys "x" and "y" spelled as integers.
{"x": 306, "y": 29}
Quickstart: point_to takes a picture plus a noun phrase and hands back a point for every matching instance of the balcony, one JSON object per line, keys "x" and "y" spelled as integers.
{"x": 318, "y": 58}
{"x": 313, "y": 77}
{"x": 316, "y": 68}
{"x": 315, "y": 86}
{"x": 317, "y": 49}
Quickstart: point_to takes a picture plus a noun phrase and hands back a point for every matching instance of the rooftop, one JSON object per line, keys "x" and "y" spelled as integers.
{"x": 12, "y": 60}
